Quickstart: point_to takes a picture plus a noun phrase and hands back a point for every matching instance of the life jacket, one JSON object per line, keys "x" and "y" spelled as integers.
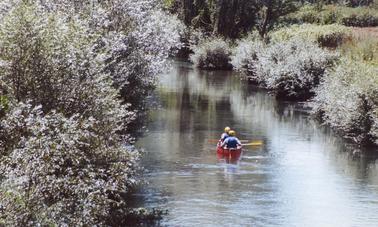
{"x": 231, "y": 142}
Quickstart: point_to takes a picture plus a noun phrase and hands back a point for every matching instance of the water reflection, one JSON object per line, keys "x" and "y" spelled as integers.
{"x": 302, "y": 176}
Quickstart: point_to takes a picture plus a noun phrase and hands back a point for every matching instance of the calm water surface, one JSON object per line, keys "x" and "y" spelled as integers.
{"x": 303, "y": 175}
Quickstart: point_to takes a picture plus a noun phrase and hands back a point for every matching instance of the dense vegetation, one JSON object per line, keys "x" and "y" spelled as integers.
{"x": 73, "y": 77}
{"x": 212, "y": 54}
{"x": 365, "y": 16}
{"x": 348, "y": 101}
{"x": 290, "y": 69}
{"x": 298, "y": 50}
{"x": 330, "y": 36}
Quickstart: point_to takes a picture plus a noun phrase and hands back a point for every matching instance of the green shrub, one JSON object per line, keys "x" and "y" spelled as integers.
{"x": 64, "y": 154}
{"x": 245, "y": 57}
{"x": 312, "y": 15}
{"x": 330, "y": 14}
{"x": 325, "y": 35}
{"x": 212, "y": 54}
{"x": 347, "y": 100}
{"x": 4, "y": 105}
{"x": 364, "y": 20}
{"x": 290, "y": 70}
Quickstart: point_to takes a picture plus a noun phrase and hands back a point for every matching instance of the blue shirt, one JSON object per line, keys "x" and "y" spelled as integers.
{"x": 231, "y": 142}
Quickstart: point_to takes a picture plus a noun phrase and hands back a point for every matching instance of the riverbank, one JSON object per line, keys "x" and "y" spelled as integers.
{"x": 340, "y": 85}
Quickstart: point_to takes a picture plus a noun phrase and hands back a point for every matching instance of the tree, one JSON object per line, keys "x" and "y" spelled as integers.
{"x": 228, "y": 18}
{"x": 270, "y": 11}
{"x": 63, "y": 127}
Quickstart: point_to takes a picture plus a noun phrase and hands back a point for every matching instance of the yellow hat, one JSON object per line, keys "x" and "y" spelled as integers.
{"x": 232, "y": 133}
{"x": 227, "y": 129}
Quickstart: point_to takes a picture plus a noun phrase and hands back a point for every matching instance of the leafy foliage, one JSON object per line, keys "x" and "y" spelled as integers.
{"x": 347, "y": 100}
{"x": 270, "y": 11}
{"x": 330, "y": 14}
{"x": 289, "y": 69}
{"x": 227, "y": 18}
{"x": 232, "y": 18}
{"x": 63, "y": 128}
{"x": 245, "y": 56}
{"x": 62, "y": 170}
{"x": 212, "y": 54}
{"x": 324, "y": 35}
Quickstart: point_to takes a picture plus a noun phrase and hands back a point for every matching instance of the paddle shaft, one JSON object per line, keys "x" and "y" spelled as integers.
{"x": 215, "y": 140}
{"x": 253, "y": 144}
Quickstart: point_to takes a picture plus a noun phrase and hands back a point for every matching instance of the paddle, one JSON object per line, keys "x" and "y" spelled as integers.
{"x": 216, "y": 140}
{"x": 255, "y": 143}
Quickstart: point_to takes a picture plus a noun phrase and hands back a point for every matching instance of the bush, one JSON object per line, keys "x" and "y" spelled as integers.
{"x": 347, "y": 100}
{"x": 63, "y": 159}
{"x": 364, "y": 20}
{"x": 212, "y": 54}
{"x": 245, "y": 57}
{"x": 49, "y": 70}
{"x": 291, "y": 70}
{"x": 313, "y": 15}
{"x": 325, "y": 35}
{"x": 70, "y": 170}
{"x": 330, "y": 14}
{"x": 134, "y": 60}
{"x": 133, "y": 39}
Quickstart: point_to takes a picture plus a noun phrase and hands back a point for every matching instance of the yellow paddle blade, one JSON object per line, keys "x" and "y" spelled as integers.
{"x": 255, "y": 143}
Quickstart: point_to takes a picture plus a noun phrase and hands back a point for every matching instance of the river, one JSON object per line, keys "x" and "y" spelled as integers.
{"x": 302, "y": 175}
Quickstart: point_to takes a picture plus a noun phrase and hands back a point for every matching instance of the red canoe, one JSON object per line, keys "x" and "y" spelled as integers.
{"x": 228, "y": 154}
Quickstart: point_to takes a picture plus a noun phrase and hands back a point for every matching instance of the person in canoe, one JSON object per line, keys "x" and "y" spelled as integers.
{"x": 225, "y": 134}
{"x": 231, "y": 141}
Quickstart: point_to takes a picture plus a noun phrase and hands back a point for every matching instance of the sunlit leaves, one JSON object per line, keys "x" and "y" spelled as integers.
{"x": 347, "y": 100}
{"x": 63, "y": 67}
{"x": 289, "y": 69}
{"x": 212, "y": 54}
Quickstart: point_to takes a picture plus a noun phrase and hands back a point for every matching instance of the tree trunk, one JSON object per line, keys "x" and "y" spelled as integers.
{"x": 225, "y": 14}
{"x": 266, "y": 21}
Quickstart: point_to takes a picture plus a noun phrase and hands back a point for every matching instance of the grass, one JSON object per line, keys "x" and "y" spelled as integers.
{"x": 362, "y": 46}
{"x": 331, "y": 14}
{"x": 325, "y": 35}
{"x": 358, "y": 44}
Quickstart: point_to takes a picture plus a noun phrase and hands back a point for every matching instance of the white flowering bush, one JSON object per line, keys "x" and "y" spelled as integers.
{"x": 213, "y": 53}
{"x": 347, "y": 100}
{"x": 245, "y": 57}
{"x": 289, "y": 69}
{"x": 133, "y": 40}
{"x": 62, "y": 170}
{"x": 292, "y": 69}
{"x": 49, "y": 62}
{"x": 136, "y": 39}
{"x": 135, "y": 59}
{"x": 135, "y": 56}
{"x": 64, "y": 65}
